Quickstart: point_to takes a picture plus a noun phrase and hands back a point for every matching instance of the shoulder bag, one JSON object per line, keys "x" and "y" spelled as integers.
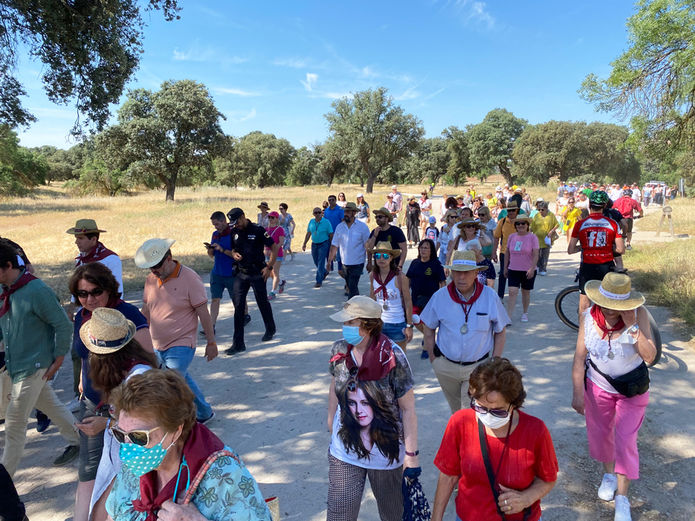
{"x": 629, "y": 384}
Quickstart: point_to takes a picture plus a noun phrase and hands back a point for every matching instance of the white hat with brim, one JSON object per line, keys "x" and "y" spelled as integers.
{"x": 107, "y": 331}
{"x": 359, "y": 306}
{"x": 385, "y": 247}
{"x": 464, "y": 261}
{"x": 152, "y": 252}
{"x": 614, "y": 292}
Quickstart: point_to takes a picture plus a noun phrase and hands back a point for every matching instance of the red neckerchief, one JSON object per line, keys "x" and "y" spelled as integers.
{"x": 113, "y": 303}
{"x": 24, "y": 279}
{"x": 200, "y": 444}
{"x": 216, "y": 234}
{"x": 382, "y": 285}
{"x": 600, "y": 321}
{"x": 100, "y": 252}
{"x": 377, "y": 361}
{"x": 466, "y": 305}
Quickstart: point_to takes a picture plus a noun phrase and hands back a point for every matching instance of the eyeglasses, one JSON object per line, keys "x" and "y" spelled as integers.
{"x": 381, "y": 217}
{"x": 318, "y": 213}
{"x": 497, "y": 413}
{"x": 469, "y": 226}
{"x": 159, "y": 264}
{"x": 137, "y": 437}
{"x": 381, "y": 256}
{"x": 84, "y": 294}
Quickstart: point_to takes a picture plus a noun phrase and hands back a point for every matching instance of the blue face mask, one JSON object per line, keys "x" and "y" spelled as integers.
{"x": 351, "y": 334}
{"x": 141, "y": 460}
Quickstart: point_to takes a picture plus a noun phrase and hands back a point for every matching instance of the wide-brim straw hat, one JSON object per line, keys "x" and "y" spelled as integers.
{"x": 359, "y": 306}
{"x": 523, "y": 219}
{"x": 464, "y": 261}
{"x": 152, "y": 252}
{"x": 512, "y": 205}
{"x": 614, "y": 292}
{"x": 83, "y": 226}
{"x": 385, "y": 247}
{"x": 463, "y": 224}
{"x": 107, "y": 331}
{"x": 383, "y": 211}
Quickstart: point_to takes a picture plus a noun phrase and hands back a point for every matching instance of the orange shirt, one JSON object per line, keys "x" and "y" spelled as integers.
{"x": 171, "y": 306}
{"x": 505, "y": 227}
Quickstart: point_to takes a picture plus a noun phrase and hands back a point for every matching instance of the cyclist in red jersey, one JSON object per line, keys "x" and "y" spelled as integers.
{"x": 597, "y": 237}
{"x": 626, "y": 205}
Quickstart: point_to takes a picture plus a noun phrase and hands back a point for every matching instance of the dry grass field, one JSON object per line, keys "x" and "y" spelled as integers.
{"x": 39, "y": 222}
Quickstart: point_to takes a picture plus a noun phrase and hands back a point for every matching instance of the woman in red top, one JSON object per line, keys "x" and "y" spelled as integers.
{"x": 521, "y": 458}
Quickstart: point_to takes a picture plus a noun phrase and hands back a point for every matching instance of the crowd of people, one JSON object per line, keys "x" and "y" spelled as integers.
{"x": 140, "y": 427}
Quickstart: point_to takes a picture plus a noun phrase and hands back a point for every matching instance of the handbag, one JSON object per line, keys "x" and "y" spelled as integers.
{"x": 273, "y": 503}
{"x": 491, "y": 474}
{"x": 415, "y": 505}
{"x": 630, "y": 384}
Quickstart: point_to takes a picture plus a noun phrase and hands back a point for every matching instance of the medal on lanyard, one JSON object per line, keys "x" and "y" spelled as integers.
{"x": 464, "y": 328}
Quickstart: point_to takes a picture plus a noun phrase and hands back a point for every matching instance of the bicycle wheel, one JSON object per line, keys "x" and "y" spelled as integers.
{"x": 567, "y": 306}
{"x": 656, "y": 337}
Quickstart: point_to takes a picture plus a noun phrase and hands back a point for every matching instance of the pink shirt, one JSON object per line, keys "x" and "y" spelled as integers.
{"x": 520, "y": 250}
{"x": 172, "y": 308}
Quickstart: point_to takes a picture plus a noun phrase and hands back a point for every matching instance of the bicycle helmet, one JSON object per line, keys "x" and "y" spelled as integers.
{"x": 598, "y": 198}
{"x": 627, "y": 192}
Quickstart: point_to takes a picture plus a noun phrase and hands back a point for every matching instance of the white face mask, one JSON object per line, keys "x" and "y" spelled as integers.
{"x": 493, "y": 422}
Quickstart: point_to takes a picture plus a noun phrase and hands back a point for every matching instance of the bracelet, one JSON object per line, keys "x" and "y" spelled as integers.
{"x": 412, "y": 454}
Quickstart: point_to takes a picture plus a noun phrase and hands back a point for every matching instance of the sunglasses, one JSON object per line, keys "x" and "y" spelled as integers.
{"x": 159, "y": 264}
{"x": 381, "y": 256}
{"x": 84, "y": 294}
{"x": 137, "y": 437}
{"x": 352, "y": 382}
{"x": 469, "y": 226}
{"x": 497, "y": 413}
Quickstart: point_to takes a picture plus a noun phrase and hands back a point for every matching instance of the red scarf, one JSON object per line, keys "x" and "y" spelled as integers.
{"x": 100, "y": 252}
{"x": 600, "y": 321}
{"x": 24, "y": 279}
{"x": 382, "y": 285}
{"x": 377, "y": 361}
{"x": 453, "y": 293}
{"x": 223, "y": 233}
{"x": 200, "y": 444}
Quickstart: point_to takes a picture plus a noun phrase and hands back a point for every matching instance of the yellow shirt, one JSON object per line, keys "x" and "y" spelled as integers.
{"x": 541, "y": 226}
{"x": 505, "y": 227}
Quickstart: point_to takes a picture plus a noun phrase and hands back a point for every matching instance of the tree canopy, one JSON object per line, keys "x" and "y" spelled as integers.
{"x": 89, "y": 51}
{"x": 260, "y": 160}
{"x": 369, "y": 130}
{"x": 654, "y": 79}
{"x": 490, "y": 143}
{"x": 165, "y": 133}
{"x": 20, "y": 168}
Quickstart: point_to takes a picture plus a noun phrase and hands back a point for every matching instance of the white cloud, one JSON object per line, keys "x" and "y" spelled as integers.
{"x": 311, "y": 80}
{"x": 409, "y": 93}
{"x": 248, "y": 116}
{"x": 235, "y": 92}
{"x": 295, "y": 63}
{"x": 196, "y": 53}
{"x": 474, "y": 12}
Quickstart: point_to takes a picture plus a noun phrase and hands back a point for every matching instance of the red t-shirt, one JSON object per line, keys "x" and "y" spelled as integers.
{"x": 626, "y": 205}
{"x": 530, "y": 455}
{"x": 597, "y": 235}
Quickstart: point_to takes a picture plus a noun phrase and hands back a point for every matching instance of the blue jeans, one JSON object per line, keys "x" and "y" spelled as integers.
{"x": 353, "y": 273}
{"x": 179, "y": 358}
{"x": 319, "y": 252}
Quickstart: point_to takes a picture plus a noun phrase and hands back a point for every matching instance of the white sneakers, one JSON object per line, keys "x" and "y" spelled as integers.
{"x": 622, "y": 509}
{"x": 524, "y": 317}
{"x": 609, "y": 484}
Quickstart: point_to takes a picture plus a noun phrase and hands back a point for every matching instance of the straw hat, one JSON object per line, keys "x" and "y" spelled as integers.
{"x": 263, "y": 206}
{"x": 359, "y": 306}
{"x": 512, "y": 205}
{"x": 151, "y": 252}
{"x": 351, "y": 206}
{"x": 385, "y": 247}
{"x": 614, "y": 292}
{"x": 464, "y": 261}
{"x": 83, "y": 226}
{"x": 383, "y": 211}
{"x": 523, "y": 219}
{"x": 107, "y": 331}
{"x": 478, "y": 224}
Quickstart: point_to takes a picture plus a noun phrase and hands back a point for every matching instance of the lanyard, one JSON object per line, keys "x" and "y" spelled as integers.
{"x": 188, "y": 477}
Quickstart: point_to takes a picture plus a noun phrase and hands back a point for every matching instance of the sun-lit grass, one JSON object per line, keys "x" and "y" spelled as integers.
{"x": 683, "y": 218}
{"x": 666, "y": 273}
{"x": 39, "y": 222}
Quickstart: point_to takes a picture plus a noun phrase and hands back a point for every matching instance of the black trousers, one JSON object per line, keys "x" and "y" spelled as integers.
{"x": 11, "y": 508}
{"x": 242, "y": 283}
{"x": 352, "y": 278}
{"x": 503, "y": 280}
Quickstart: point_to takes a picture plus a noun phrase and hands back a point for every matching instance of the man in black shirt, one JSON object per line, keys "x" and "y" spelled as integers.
{"x": 385, "y": 232}
{"x": 248, "y": 243}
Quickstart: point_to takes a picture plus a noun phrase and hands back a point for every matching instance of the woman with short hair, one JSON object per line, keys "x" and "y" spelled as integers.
{"x": 611, "y": 381}
{"x": 173, "y": 466}
{"x": 520, "y": 265}
{"x": 376, "y": 437}
{"x": 502, "y": 459}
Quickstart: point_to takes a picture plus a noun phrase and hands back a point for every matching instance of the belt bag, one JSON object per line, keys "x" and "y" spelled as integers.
{"x": 629, "y": 384}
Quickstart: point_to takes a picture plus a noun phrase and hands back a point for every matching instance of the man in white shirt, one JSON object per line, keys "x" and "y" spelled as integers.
{"x": 397, "y": 202}
{"x": 471, "y": 322}
{"x": 350, "y": 238}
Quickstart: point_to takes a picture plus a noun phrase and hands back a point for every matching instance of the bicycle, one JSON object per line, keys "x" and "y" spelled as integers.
{"x": 567, "y": 308}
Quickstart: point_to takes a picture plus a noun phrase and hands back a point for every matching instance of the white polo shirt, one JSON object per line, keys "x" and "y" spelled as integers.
{"x": 486, "y": 317}
{"x": 351, "y": 241}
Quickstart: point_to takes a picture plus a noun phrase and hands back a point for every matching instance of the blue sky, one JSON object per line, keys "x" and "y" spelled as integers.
{"x": 277, "y": 66}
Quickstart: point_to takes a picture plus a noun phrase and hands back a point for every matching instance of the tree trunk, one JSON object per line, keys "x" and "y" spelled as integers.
{"x": 170, "y": 183}
{"x": 371, "y": 177}
{"x": 506, "y": 172}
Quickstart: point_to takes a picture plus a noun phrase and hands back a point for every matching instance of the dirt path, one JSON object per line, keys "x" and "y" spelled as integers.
{"x": 271, "y": 407}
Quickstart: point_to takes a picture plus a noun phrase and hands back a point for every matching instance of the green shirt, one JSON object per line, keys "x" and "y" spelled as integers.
{"x": 36, "y": 330}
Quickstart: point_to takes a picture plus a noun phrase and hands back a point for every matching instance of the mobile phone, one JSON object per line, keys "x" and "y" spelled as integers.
{"x": 207, "y": 245}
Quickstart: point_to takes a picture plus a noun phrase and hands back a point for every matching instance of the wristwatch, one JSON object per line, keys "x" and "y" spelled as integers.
{"x": 409, "y": 326}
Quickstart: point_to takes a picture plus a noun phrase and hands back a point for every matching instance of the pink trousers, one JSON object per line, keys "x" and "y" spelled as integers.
{"x": 612, "y": 424}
